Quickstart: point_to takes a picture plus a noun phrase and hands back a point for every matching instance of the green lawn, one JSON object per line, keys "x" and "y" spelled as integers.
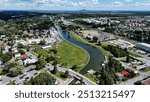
{"x": 58, "y": 74}
{"x": 146, "y": 70}
{"x": 71, "y": 54}
{"x": 10, "y": 83}
{"x": 85, "y": 31}
{"x": 106, "y": 53}
{"x": 91, "y": 77}
{"x": 0, "y": 71}
{"x": 105, "y": 44}
{"x": 42, "y": 52}
{"x": 133, "y": 54}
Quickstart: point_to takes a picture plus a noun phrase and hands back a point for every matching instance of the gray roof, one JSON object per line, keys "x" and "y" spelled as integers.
{"x": 144, "y": 44}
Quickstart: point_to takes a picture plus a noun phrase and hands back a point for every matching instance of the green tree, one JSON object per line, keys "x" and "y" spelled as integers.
{"x": 42, "y": 42}
{"x": 6, "y": 57}
{"x": 20, "y": 45}
{"x": 54, "y": 71}
{"x": 13, "y": 72}
{"x": 128, "y": 58}
{"x": 22, "y": 52}
{"x": 74, "y": 67}
{"x": 42, "y": 79}
{"x": 95, "y": 39}
{"x": 66, "y": 74}
{"x": 40, "y": 64}
{"x": 99, "y": 43}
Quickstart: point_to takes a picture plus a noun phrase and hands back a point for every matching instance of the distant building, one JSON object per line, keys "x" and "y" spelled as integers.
{"x": 143, "y": 46}
{"x": 122, "y": 43}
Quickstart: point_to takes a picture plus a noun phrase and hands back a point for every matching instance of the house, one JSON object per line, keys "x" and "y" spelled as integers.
{"x": 17, "y": 55}
{"x": 125, "y": 73}
{"x": 46, "y": 47}
{"x": 14, "y": 50}
{"x": 24, "y": 57}
{"x": 120, "y": 75}
{"x": 30, "y": 60}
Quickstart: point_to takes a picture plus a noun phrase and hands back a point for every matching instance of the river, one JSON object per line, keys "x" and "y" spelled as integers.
{"x": 96, "y": 57}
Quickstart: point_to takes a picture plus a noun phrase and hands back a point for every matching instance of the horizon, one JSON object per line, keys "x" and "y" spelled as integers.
{"x": 75, "y": 5}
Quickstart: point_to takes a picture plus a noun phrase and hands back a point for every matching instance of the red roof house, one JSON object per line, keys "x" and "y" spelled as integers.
{"x": 25, "y": 56}
{"x": 125, "y": 73}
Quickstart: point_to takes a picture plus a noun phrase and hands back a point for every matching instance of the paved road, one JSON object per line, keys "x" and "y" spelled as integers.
{"x": 76, "y": 74}
{"x": 28, "y": 72}
{"x": 140, "y": 77}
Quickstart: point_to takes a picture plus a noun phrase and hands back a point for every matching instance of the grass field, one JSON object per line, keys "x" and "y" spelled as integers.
{"x": 91, "y": 77}
{"x": 71, "y": 54}
{"x": 85, "y": 31}
{"x": 133, "y": 54}
{"x": 0, "y": 71}
{"x": 106, "y": 53}
{"x": 42, "y": 52}
{"x": 146, "y": 70}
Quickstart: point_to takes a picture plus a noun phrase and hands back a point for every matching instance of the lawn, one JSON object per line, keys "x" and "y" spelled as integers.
{"x": 91, "y": 77}
{"x": 106, "y": 53}
{"x": 10, "y": 83}
{"x": 146, "y": 70}
{"x": 42, "y": 52}
{"x": 85, "y": 31}
{"x": 133, "y": 54}
{"x": 71, "y": 54}
{"x": 0, "y": 71}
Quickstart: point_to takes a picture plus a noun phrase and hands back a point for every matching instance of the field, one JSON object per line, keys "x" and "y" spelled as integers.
{"x": 42, "y": 52}
{"x": 71, "y": 54}
{"x": 91, "y": 77}
{"x": 85, "y": 31}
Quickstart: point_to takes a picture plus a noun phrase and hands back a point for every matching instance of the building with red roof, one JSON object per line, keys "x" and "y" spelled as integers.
{"x": 125, "y": 73}
{"x": 24, "y": 56}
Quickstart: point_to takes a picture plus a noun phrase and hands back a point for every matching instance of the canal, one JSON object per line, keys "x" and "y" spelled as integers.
{"x": 96, "y": 57}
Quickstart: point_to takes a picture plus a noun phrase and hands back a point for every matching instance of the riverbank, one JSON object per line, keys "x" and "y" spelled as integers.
{"x": 87, "y": 56}
{"x": 78, "y": 38}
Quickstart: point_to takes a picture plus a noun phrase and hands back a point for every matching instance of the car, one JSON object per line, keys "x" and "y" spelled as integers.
{"x": 21, "y": 77}
{"x": 31, "y": 69}
{"x": 26, "y": 78}
{"x": 35, "y": 73}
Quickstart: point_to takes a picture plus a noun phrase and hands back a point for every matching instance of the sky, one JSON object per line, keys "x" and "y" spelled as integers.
{"x": 75, "y": 5}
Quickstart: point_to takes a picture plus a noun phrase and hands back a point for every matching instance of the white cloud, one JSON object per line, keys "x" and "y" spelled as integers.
{"x": 128, "y": 0}
{"x": 117, "y": 4}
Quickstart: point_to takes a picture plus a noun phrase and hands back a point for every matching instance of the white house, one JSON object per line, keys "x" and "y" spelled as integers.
{"x": 17, "y": 55}
{"x": 30, "y": 61}
{"x": 46, "y": 47}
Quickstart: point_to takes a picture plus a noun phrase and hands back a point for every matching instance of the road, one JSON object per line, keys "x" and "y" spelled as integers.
{"x": 28, "y": 72}
{"x": 142, "y": 75}
{"x": 76, "y": 74}
{"x": 133, "y": 80}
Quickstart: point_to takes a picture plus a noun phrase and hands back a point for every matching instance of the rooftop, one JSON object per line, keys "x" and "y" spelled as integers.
{"x": 144, "y": 44}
